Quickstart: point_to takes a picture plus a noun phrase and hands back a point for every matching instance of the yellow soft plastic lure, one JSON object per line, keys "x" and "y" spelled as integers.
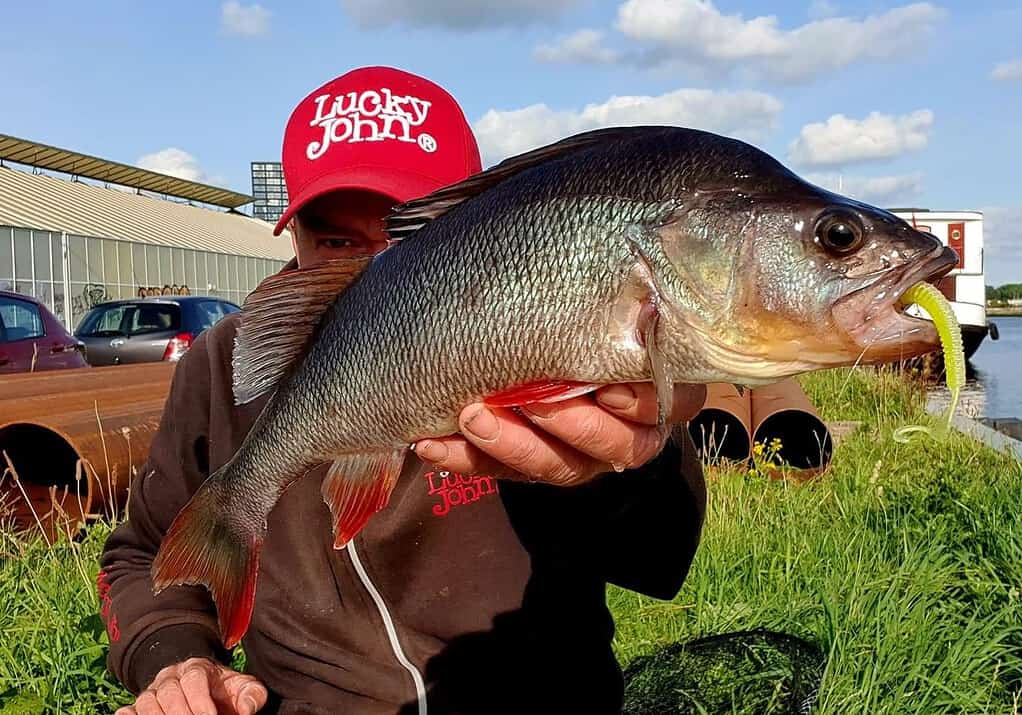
{"x": 933, "y": 302}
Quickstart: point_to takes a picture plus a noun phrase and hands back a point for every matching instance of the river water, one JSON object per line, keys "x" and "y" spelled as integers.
{"x": 994, "y": 386}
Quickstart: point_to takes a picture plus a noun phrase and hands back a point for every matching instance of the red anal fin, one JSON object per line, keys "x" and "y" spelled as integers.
{"x": 356, "y": 487}
{"x": 542, "y": 391}
{"x": 205, "y": 547}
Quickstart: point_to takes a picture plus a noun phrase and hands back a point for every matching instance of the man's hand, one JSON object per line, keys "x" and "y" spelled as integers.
{"x": 199, "y": 686}
{"x": 565, "y": 443}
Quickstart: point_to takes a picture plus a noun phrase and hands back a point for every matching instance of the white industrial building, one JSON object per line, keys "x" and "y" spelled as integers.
{"x": 76, "y": 230}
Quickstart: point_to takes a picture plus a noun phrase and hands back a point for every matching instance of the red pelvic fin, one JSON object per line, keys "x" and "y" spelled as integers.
{"x": 357, "y": 486}
{"x": 541, "y": 391}
{"x": 204, "y": 547}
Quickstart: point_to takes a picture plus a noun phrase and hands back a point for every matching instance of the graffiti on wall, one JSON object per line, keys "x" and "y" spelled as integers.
{"x": 92, "y": 295}
{"x": 147, "y": 291}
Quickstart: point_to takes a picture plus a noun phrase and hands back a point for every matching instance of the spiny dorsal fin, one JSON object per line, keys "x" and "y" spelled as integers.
{"x": 278, "y": 319}
{"x": 409, "y": 217}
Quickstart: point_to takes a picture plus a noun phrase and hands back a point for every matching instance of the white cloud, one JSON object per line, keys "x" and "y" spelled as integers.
{"x": 583, "y": 46}
{"x": 174, "y": 162}
{"x": 878, "y": 190}
{"x": 695, "y": 32}
{"x": 819, "y": 9}
{"x": 744, "y": 114}
{"x": 245, "y": 20}
{"x": 841, "y": 140}
{"x": 1011, "y": 70}
{"x": 454, "y": 14}
{"x": 1002, "y": 244}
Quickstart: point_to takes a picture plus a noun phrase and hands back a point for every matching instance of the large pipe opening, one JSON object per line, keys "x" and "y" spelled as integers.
{"x": 46, "y": 467}
{"x": 82, "y": 434}
{"x": 805, "y": 439}
{"x": 719, "y": 436}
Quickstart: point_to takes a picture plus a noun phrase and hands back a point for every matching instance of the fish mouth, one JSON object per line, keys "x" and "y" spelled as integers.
{"x": 874, "y": 318}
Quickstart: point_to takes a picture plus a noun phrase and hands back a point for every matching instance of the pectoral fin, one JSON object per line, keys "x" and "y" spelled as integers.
{"x": 658, "y": 366}
{"x": 642, "y": 305}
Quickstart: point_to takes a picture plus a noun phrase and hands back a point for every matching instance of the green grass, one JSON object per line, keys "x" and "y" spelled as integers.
{"x": 903, "y": 564}
{"x": 52, "y": 643}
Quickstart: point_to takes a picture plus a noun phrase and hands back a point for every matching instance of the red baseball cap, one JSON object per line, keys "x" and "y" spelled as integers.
{"x": 378, "y": 129}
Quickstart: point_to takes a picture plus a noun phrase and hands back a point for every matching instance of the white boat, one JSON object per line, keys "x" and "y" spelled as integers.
{"x": 965, "y": 285}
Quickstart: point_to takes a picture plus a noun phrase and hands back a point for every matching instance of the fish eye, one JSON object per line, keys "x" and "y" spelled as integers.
{"x": 839, "y": 232}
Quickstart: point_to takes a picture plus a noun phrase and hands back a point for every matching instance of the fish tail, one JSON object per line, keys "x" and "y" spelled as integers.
{"x": 214, "y": 546}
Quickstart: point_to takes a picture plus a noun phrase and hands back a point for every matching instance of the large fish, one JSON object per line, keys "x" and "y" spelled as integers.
{"x": 630, "y": 254}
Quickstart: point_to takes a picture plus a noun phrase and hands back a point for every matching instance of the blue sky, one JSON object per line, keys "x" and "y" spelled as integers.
{"x": 910, "y": 103}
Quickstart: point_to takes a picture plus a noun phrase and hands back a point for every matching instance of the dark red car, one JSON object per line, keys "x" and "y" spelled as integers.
{"x": 31, "y": 339}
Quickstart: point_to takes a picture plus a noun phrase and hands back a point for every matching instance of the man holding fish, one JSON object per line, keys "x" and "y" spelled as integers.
{"x": 457, "y": 576}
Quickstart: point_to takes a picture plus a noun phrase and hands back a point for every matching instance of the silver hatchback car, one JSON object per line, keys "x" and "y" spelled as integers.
{"x": 148, "y": 329}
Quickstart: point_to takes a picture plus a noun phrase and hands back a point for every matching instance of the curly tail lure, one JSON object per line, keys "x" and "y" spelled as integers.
{"x": 933, "y": 302}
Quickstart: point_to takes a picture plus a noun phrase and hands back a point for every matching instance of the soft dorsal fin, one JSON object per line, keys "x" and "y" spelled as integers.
{"x": 278, "y": 319}
{"x": 410, "y": 216}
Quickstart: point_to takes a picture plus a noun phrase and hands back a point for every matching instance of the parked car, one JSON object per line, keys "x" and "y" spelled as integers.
{"x": 148, "y": 329}
{"x": 32, "y": 339}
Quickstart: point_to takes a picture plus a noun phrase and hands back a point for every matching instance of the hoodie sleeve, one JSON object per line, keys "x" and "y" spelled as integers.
{"x": 149, "y": 632}
{"x": 655, "y": 515}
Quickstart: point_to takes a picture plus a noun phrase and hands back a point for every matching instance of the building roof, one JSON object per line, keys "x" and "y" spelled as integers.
{"x": 44, "y": 156}
{"x": 51, "y": 204}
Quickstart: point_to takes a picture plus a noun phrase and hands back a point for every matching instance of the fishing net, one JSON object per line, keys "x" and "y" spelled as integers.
{"x": 750, "y": 672}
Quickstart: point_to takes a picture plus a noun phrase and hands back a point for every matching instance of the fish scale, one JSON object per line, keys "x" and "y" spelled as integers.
{"x": 556, "y": 332}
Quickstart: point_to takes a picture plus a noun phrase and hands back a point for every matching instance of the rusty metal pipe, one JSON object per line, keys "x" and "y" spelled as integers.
{"x": 782, "y": 411}
{"x": 721, "y": 431}
{"x": 79, "y": 448}
{"x": 55, "y": 406}
{"x": 81, "y": 380}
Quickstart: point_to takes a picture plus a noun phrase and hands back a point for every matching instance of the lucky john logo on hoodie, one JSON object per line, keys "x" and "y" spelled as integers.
{"x": 369, "y": 116}
{"x": 453, "y": 490}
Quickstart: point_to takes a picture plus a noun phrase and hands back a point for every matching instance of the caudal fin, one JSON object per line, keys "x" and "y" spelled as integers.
{"x": 207, "y": 545}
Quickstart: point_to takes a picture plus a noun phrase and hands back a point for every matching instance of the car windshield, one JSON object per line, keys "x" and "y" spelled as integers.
{"x": 210, "y": 312}
{"x": 130, "y": 319}
{"x": 19, "y": 320}
{"x": 154, "y": 318}
{"x": 104, "y": 321}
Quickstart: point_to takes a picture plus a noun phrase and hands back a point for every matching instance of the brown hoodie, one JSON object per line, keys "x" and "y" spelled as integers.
{"x": 466, "y": 594}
